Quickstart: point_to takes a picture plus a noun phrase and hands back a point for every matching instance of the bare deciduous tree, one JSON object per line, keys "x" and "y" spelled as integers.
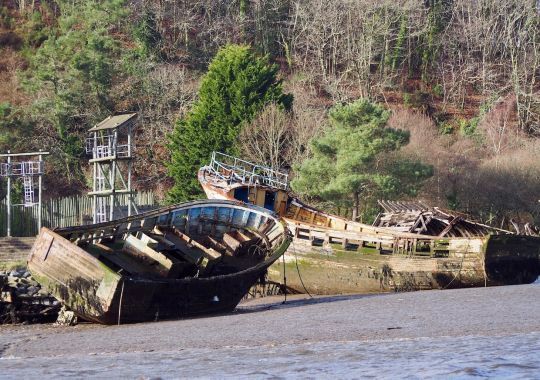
{"x": 267, "y": 139}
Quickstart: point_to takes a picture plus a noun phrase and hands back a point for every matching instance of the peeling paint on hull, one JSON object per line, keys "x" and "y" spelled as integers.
{"x": 508, "y": 260}
{"x": 98, "y": 291}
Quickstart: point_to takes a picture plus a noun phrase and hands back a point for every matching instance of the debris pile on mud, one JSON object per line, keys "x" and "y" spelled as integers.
{"x": 23, "y": 301}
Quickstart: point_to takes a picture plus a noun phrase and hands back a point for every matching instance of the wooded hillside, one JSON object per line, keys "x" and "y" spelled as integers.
{"x": 460, "y": 77}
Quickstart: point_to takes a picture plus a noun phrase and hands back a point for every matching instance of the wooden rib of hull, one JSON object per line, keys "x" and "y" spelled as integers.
{"x": 96, "y": 292}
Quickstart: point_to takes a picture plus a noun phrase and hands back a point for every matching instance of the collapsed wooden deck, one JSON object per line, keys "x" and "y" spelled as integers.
{"x": 416, "y": 217}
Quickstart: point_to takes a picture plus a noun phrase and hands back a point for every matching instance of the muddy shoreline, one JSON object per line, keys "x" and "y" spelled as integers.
{"x": 495, "y": 311}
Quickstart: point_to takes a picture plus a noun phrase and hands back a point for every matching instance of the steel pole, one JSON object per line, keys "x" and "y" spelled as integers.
{"x": 9, "y": 195}
{"x": 39, "y": 192}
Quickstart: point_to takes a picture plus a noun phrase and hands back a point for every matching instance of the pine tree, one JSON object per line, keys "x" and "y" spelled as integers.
{"x": 236, "y": 87}
{"x": 345, "y": 159}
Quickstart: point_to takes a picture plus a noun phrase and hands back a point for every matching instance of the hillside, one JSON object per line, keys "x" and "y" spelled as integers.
{"x": 460, "y": 76}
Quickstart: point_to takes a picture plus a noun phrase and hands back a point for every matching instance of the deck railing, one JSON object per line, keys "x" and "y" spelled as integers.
{"x": 236, "y": 170}
{"x": 24, "y": 168}
{"x": 105, "y": 147}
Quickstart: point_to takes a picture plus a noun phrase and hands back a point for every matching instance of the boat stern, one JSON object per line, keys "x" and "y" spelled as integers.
{"x": 72, "y": 275}
{"x": 512, "y": 259}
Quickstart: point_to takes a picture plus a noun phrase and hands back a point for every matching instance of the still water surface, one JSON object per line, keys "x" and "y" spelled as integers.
{"x": 511, "y": 357}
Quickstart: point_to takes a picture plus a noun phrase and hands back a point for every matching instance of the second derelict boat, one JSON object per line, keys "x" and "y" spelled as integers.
{"x": 331, "y": 254}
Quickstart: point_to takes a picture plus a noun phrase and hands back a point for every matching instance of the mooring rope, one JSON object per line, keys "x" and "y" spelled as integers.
{"x": 284, "y": 279}
{"x": 120, "y": 303}
{"x": 298, "y": 270}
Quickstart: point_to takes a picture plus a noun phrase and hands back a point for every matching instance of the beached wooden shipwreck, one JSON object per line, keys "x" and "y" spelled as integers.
{"x": 428, "y": 249}
{"x": 178, "y": 261}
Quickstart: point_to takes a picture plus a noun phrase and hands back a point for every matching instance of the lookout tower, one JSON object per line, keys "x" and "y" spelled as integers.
{"x": 110, "y": 144}
{"x": 26, "y": 171}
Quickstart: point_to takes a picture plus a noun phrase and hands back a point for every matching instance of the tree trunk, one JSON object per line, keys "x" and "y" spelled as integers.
{"x": 356, "y": 206}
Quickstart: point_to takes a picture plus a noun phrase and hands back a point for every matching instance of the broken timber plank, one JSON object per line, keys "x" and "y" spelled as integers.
{"x": 450, "y": 226}
{"x": 209, "y": 253}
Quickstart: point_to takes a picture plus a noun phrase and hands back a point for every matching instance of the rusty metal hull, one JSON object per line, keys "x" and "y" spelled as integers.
{"x": 63, "y": 263}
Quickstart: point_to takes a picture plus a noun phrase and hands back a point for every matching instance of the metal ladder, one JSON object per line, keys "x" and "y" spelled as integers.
{"x": 101, "y": 212}
{"x": 28, "y": 191}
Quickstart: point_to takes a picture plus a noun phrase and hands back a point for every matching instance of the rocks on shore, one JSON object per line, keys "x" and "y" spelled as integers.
{"x": 23, "y": 301}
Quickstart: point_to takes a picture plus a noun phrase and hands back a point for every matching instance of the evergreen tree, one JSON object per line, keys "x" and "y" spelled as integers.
{"x": 237, "y": 86}
{"x": 13, "y": 127}
{"x": 345, "y": 160}
{"x": 147, "y": 35}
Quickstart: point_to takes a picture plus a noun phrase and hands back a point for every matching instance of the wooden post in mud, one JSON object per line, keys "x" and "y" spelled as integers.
{"x": 356, "y": 206}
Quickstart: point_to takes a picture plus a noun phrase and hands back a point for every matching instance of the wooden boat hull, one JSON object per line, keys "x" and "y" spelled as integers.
{"x": 97, "y": 292}
{"x": 484, "y": 261}
{"x": 359, "y": 258}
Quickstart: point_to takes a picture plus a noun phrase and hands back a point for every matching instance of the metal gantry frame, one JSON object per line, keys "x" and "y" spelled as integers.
{"x": 27, "y": 170}
{"x": 110, "y": 144}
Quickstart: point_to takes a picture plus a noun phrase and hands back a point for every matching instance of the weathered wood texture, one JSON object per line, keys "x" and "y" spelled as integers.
{"x": 15, "y": 249}
{"x": 449, "y": 263}
{"x": 415, "y": 217}
{"x": 107, "y": 272}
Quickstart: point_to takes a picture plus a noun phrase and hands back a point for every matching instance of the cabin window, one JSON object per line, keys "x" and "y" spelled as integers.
{"x": 242, "y": 194}
{"x": 269, "y": 200}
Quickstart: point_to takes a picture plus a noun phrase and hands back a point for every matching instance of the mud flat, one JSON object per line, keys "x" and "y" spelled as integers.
{"x": 464, "y": 332}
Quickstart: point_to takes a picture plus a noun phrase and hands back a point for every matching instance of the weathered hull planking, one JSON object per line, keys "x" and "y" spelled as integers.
{"x": 332, "y": 255}
{"x": 466, "y": 262}
{"x": 110, "y": 273}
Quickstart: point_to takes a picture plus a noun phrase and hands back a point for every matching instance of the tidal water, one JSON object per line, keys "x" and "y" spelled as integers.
{"x": 489, "y": 332}
{"x": 510, "y": 357}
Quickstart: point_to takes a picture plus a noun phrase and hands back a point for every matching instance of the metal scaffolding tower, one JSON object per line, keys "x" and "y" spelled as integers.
{"x": 27, "y": 171}
{"x": 110, "y": 144}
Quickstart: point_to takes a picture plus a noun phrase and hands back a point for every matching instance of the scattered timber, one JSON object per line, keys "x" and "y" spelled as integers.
{"x": 417, "y": 218}
{"x": 412, "y": 247}
{"x": 525, "y": 228}
{"x": 189, "y": 259}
